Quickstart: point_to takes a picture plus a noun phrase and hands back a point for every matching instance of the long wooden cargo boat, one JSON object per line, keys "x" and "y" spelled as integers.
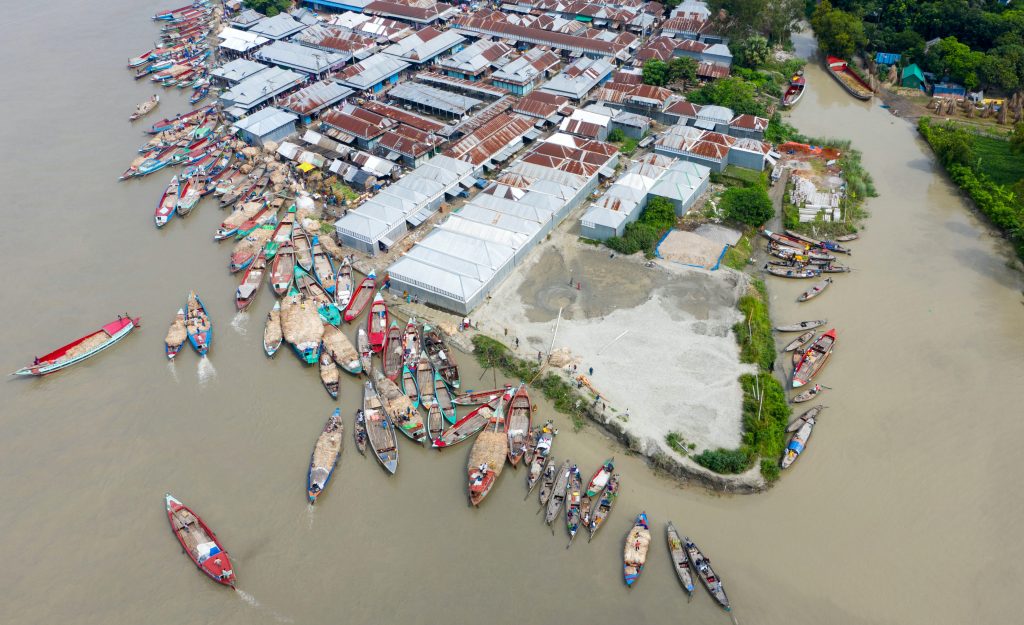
{"x": 82, "y": 348}
{"x": 847, "y": 78}
{"x": 199, "y": 542}
{"x": 324, "y": 459}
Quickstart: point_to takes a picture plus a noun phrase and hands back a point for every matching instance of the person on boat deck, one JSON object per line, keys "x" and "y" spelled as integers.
{"x": 36, "y": 361}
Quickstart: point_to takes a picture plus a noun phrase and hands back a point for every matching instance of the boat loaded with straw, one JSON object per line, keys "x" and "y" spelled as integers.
{"x": 82, "y": 348}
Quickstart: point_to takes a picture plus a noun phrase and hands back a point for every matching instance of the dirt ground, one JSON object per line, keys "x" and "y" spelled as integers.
{"x": 658, "y": 338}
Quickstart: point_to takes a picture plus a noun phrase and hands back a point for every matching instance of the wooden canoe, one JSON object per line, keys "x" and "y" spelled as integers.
{"x": 801, "y": 326}
{"x": 324, "y": 458}
{"x": 486, "y": 459}
{"x": 144, "y": 108}
{"x": 832, "y": 246}
{"x": 814, "y": 358}
{"x": 379, "y": 431}
{"x": 341, "y": 350}
{"x": 272, "y": 335}
{"x": 792, "y": 272}
{"x": 165, "y": 207}
{"x": 473, "y": 398}
{"x": 537, "y": 456}
{"x": 343, "y": 291}
{"x": 466, "y": 426}
{"x": 795, "y": 90}
{"x": 303, "y": 246}
{"x": 702, "y": 567}
{"x": 251, "y": 281}
{"x": 323, "y": 268}
{"x": 189, "y": 193}
{"x": 359, "y": 433}
{"x": 547, "y": 480}
{"x": 443, "y": 399}
{"x": 411, "y": 342}
{"x": 604, "y": 505}
{"x": 365, "y": 353}
{"x": 282, "y": 270}
{"x": 853, "y": 236}
{"x": 425, "y": 381}
{"x": 559, "y": 490}
{"x": 441, "y": 356}
{"x": 408, "y": 383}
{"x": 282, "y": 233}
{"x": 391, "y": 357}
{"x": 435, "y": 423}
{"x": 329, "y": 374}
{"x": 797, "y": 443}
{"x": 405, "y": 418}
{"x": 361, "y": 297}
{"x": 799, "y": 341}
{"x": 197, "y": 324}
{"x": 815, "y": 290}
{"x": 176, "y": 335}
{"x": 520, "y": 421}
{"x": 600, "y": 478}
{"x": 808, "y": 394}
{"x": 377, "y": 323}
{"x": 310, "y": 288}
{"x": 573, "y": 503}
{"x": 634, "y": 554}
{"x": 680, "y": 561}
{"x": 798, "y": 422}
{"x": 199, "y": 542}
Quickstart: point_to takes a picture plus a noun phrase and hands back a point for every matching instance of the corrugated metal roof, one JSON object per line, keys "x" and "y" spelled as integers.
{"x": 431, "y": 97}
{"x": 424, "y": 45}
{"x": 370, "y": 71}
{"x": 315, "y": 97}
{"x": 494, "y": 136}
{"x": 478, "y": 57}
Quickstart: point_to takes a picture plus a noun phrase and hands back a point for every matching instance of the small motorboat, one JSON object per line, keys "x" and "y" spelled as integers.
{"x": 815, "y": 290}
{"x": 797, "y": 443}
{"x": 680, "y": 562}
{"x": 702, "y": 567}
{"x": 165, "y": 207}
{"x": 604, "y": 505}
{"x": 197, "y": 324}
{"x": 144, "y": 108}
{"x": 799, "y": 341}
{"x": 329, "y": 373}
{"x": 808, "y": 394}
{"x": 199, "y": 542}
{"x": 272, "y": 335}
{"x": 326, "y": 453}
{"x": 634, "y": 555}
{"x": 814, "y": 358}
{"x": 798, "y": 422}
{"x": 82, "y": 348}
{"x": 801, "y": 326}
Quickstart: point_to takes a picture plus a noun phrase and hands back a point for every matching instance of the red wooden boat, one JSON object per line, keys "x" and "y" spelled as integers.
{"x": 362, "y": 297}
{"x": 377, "y": 323}
{"x": 165, "y": 207}
{"x": 814, "y": 358}
{"x": 518, "y": 423}
{"x": 848, "y": 78}
{"x": 251, "y": 282}
{"x": 393, "y": 349}
{"x": 199, "y": 542}
{"x": 80, "y": 349}
{"x": 795, "y": 91}
{"x": 282, "y": 271}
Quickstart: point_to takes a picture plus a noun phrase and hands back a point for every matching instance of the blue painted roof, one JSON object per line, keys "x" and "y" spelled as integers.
{"x": 887, "y": 58}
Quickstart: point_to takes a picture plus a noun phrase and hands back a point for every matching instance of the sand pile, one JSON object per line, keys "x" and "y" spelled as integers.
{"x": 690, "y": 249}
{"x": 563, "y": 357}
{"x": 300, "y": 322}
{"x": 340, "y": 348}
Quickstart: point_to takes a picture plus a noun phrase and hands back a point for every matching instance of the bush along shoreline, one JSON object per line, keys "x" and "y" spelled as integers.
{"x": 954, "y": 147}
{"x": 765, "y": 409}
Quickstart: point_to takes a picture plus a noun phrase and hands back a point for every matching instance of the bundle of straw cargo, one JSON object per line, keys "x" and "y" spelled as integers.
{"x": 300, "y": 322}
{"x": 396, "y": 403}
{"x": 243, "y": 213}
{"x": 176, "y": 333}
{"x": 331, "y": 247}
{"x": 245, "y": 168}
{"x": 253, "y": 242}
{"x": 489, "y": 448}
{"x": 635, "y": 552}
{"x": 328, "y": 446}
{"x": 341, "y": 349}
{"x": 272, "y": 331}
{"x": 89, "y": 344}
{"x": 329, "y": 374}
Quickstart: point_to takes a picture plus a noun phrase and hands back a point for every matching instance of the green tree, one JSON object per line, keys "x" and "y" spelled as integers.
{"x": 839, "y": 33}
{"x": 1017, "y": 141}
{"x": 753, "y": 52}
{"x": 781, "y": 19}
{"x": 749, "y": 205}
{"x": 740, "y": 17}
{"x": 682, "y": 69}
{"x": 655, "y": 72}
{"x": 733, "y": 92}
{"x": 953, "y": 144}
{"x": 270, "y": 8}
{"x": 616, "y": 135}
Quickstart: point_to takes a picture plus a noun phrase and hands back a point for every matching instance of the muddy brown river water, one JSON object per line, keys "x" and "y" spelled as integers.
{"x": 906, "y": 508}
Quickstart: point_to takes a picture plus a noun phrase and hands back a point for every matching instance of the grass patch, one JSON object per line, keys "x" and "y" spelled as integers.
{"x": 676, "y": 441}
{"x": 737, "y": 256}
{"x": 741, "y": 176}
{"x": 754, "y": 333}
{"x": 491, "y": 353}
{"x": 997, "y": 161}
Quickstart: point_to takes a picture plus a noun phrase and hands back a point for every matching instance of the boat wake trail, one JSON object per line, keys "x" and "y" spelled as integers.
{"x": 735, "y": 621}
{"x": 309, "y": 515}
{"x": 253, "y": 602}
{"x": 205, "y": 370}
{"x": 173, "y": 370}
{"x": 240, "y": 322}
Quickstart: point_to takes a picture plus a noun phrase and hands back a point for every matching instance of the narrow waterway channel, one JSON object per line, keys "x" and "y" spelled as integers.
{"x": 905, "y": 508}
